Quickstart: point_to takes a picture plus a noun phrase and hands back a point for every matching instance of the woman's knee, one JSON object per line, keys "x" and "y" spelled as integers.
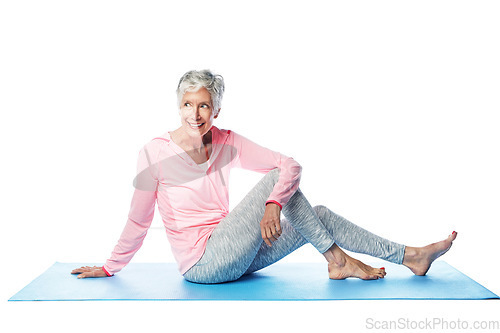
{"x": 326, "y": 214}
{"x": 274, "y": 174}
{"x": 320, "y": 210}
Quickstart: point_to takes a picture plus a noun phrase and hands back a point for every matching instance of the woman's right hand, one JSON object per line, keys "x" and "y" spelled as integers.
{"x": 89, "y": 272}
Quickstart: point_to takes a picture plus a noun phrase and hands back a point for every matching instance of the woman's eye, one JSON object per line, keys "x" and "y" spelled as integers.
{"x": 186, "y": 104}
{"x": 204, "y": 106}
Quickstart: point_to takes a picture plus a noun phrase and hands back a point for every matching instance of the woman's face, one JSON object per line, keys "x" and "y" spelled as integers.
{"x": 196, "y": 111}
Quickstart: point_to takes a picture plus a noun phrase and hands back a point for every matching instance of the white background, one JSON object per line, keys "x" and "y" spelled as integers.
{"x": 391, "y": 107}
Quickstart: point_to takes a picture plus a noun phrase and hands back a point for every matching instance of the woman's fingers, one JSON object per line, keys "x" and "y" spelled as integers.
{"x": 78, "y": 270}
{"x": 270, "y": 234}
{"x": 90, "y": 274}
{"x": 82, "y": 269}
{"x": 82, "y": 276}
{"x": 94, "y": 273}
{"x": 87, "y": 271}
{"x": 278, "y": 228}
{"x": 265, "y": 236}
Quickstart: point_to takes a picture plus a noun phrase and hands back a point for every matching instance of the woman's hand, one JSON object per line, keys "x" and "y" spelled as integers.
{"x": 89, "y": 272}
{"x": 270, "y": 227}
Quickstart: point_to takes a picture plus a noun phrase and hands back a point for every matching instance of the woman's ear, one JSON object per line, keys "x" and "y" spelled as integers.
{"x": 218, "y": 111}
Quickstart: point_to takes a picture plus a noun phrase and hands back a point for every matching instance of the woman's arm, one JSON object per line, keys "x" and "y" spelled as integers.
{"x": 139, "y": 218}
{"x": 141, "y": 209}
{"x": 252, "y": 156}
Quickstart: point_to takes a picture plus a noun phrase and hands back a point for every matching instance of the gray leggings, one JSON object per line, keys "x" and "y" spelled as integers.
{"x": 236, "y": 247}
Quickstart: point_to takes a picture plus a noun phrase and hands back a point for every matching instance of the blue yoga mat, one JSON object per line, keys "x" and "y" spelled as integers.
{"x": 281, "y": 281}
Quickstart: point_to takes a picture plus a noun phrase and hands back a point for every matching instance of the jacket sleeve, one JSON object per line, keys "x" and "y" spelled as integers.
{"x": 141, "y": 211}
{"x": 252, "y": 156}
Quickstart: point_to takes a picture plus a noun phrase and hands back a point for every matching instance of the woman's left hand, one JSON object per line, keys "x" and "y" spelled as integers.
{"x": 270, "y": 227}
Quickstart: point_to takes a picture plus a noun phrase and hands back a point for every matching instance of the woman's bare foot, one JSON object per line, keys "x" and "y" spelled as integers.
{"x": 419, "y": 259}
{"x": 342, "y": 266}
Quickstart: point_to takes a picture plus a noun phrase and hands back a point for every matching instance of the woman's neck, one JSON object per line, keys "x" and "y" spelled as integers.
{"x": 189, "y": 142}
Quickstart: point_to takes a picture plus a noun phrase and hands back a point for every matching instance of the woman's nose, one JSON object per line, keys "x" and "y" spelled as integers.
{"x": 197, "y": 113}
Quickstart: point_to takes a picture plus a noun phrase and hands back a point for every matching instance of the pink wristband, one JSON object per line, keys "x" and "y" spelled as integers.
{"x": 273, "y": 201}
{"x": 105, "y": 271}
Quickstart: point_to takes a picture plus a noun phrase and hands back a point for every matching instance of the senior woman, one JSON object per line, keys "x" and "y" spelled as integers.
{"x": 187, "y": 172}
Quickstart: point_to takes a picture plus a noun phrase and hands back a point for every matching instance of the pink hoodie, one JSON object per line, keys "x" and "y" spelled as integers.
{"x": 193, "y": 201}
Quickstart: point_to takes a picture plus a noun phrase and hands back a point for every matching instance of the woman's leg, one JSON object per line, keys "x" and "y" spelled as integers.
{"x": 236, "y": 240}
{"x": 356, "y": 239}
{"x": 353, "y": 238}
{"x": 236, "y": 245}
{"x": 346, "y": 235}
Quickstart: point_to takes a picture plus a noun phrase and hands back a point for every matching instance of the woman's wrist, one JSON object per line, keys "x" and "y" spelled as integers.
{"x": 275, "y": 203}
{"x": 106, "y": 271}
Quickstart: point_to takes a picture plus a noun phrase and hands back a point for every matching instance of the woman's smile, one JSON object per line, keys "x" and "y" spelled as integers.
{"x": 195, "y": 125}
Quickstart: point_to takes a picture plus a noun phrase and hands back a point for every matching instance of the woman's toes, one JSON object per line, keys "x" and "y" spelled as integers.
{"x": 372, "y": 277}
{"x": 381, "y": 273}
{"x": 371, "y": 273}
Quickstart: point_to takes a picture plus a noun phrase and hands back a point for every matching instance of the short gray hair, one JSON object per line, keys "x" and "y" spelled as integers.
{"x": 194, "y": 80}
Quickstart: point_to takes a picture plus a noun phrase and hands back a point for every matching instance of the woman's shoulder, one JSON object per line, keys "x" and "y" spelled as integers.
{"x": 160, "y": 139}
{"x": 221, "y": 136}
{"x": 221, "y": 131}
{"x": 155, "y": 144}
